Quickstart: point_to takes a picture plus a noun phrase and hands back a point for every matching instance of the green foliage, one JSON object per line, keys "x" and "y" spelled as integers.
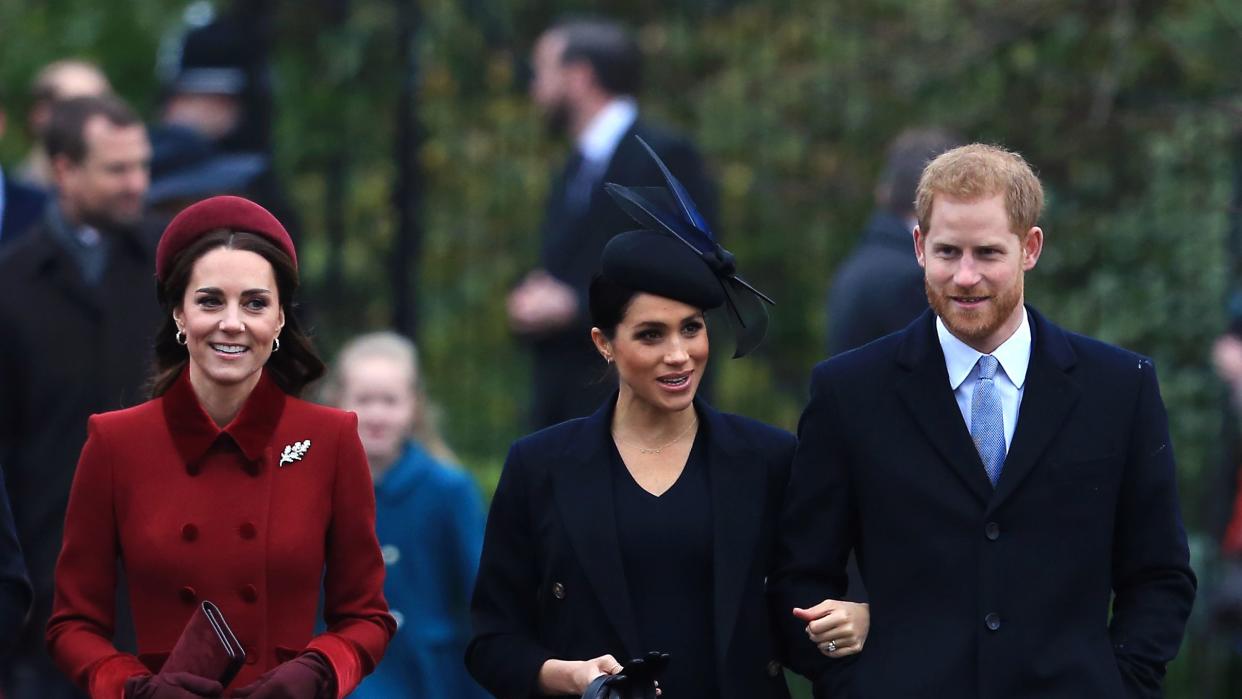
{"x": 1126, "y": 109}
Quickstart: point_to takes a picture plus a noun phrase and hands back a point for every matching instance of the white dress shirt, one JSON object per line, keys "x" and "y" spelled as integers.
{"x": 599, "y": 139}
{"x": 1014, "y": 355}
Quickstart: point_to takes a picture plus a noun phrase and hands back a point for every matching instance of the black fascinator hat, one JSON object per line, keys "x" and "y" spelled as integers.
{"x": 677, "y": 256}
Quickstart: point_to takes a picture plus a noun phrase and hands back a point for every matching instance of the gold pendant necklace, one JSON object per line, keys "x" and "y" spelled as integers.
{"x": 656, "y": 450}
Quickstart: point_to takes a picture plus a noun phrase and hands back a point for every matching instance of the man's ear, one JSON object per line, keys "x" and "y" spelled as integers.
{"x": 1032, "y": 247}
{"x": 918, "y": 246}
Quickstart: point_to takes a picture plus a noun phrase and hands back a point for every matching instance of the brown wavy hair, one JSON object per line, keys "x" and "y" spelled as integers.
{"x": 292, "y": 368}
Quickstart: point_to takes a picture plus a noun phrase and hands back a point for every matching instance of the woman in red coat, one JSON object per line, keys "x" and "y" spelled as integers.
{"x": 224, "y": 487}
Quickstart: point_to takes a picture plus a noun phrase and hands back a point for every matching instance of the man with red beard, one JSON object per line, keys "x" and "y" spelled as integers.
{"x": 1001, "y": 480}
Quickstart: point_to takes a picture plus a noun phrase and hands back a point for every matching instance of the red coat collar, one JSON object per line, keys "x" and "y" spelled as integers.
{"x": 194, "y": 432}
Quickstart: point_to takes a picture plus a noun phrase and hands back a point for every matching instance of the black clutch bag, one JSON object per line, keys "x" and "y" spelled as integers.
{"x": 207, "y": 647}
{"x": 637, "y": 679}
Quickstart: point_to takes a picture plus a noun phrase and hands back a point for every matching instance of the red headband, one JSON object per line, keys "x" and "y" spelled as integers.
{"x": 231, "y": 213}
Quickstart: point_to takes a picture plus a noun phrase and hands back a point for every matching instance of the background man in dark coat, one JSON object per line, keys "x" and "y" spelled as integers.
{"x": 1047, "y": 558}
{"x": 878, "y": 289}
{"x": 20, "y": 205}
{"x": 15, "y": 593}
{"x": 586, "y": 74}
{"x": 78, "y": 308}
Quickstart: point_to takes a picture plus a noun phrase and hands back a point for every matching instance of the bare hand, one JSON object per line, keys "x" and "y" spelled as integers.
{"x": 541, "y": 303}
{"x": 574, "y": 676}
{"x": 838, "y": 628}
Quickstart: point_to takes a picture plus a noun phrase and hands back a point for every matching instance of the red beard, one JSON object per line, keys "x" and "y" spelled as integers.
{"x": 974, "y": 326}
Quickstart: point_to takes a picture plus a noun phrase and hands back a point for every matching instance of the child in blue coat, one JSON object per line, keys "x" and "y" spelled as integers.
{"x": 429, "y": 520}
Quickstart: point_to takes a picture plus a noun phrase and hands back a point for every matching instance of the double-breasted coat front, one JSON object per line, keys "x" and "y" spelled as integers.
{"x": 1069, "y": 578}
{"x": 552, "y": 579}
{"x": 253, "y": 517}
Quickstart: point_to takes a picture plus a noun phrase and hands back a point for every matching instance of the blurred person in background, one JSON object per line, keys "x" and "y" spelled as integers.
{"x": 429, "y": 519}
{"x": 586, "y": 78}
{"x": 186, "y": 167}
{"x": 878, "y": 289}
{"x": 217, "y": 93}
{"x": 20, "y": 204}
{"x": 58, "y": 81}
{"x": 78, "y": 318}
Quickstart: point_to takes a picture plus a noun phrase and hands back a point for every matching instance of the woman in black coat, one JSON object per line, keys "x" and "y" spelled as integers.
{"x": 647, "y": 526}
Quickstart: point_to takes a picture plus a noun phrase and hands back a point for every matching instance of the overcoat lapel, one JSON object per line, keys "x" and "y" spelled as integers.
{"x": 926, "y": 392}
{"x": 739, "y": 489}
{"x": 584, "y": 496}
{"x": 564, "y": 224}
{"x": 1049, "y": 396}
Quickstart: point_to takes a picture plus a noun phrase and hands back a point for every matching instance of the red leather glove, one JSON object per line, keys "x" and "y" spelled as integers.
{"x": 172, "y": 685}
{"x": 308, "y": 676}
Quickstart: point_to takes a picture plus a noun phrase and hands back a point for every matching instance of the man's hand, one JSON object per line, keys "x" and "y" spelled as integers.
{"x": 838, "y": 628}
{"x": 540, "y": 304}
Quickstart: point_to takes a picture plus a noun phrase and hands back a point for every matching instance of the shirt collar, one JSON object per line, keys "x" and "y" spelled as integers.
{"x": 1014, "y": 354}
{"x": 600, "y": 138}
{"x": 194, "y": 432}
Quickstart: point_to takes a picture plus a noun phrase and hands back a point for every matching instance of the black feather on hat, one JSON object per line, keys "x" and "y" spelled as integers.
{"x": 678, "y": 257}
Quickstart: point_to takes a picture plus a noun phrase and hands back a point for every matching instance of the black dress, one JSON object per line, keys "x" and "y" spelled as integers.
{"x": 666, "y": 548}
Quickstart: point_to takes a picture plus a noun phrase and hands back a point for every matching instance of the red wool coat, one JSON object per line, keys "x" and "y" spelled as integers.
{"x": 241, "y": 517}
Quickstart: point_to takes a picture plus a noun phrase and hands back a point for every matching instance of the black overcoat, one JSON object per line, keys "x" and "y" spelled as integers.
{"x": 551, "y": 581}
{"x": 68, "y": 351}
{"x": 15, "y": 594}
{"x": 1070, "y": 579}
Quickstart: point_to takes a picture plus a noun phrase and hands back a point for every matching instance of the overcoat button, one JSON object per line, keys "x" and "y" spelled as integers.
{"x": 188, "y": 595}
{"x": 251, "y": 656}
{"x": 558, "y": 590}
{"x": 189, "y": 532}
{"x": 992, "y": 531}
{"x": 249, "y": 594}
{"x": 774, "y": 668}
{"x": 993, "y": 621}
{"x": 248, "y": 530}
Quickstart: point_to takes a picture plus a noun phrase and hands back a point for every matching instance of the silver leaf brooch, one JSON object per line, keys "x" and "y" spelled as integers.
{"x": 294, "y": 452}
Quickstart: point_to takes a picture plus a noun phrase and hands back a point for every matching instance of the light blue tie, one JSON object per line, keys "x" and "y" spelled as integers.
{"x": 987, "y": 422}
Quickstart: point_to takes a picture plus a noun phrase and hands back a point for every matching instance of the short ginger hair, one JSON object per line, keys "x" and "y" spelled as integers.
{"x": 977, "y": 171}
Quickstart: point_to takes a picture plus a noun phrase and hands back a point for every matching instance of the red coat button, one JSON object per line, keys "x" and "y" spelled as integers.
{"x": 251, "y": 656}
{"x": 248, "y": 530}
{"x": 188, "y": 595}
{"x": 249, "y": 594}
{"x": 189, "y": 532}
